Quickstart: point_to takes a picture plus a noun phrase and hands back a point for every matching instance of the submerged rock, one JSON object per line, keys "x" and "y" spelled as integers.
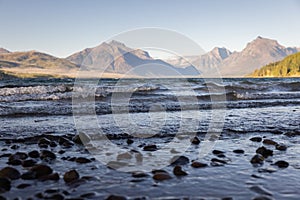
{"x": 269, "y": 142}
{"x": 256, "y": 139}
{"x": 82, "y": 160}
{"x": 178, "y": 171}
{"x": 257, "y": 159}
{"x": 9, "y": 172}
{"x": 196, "y": 164}
{"x": 161, "y": 176}
{"x": 264, "y": 152}
{"x": 281, "y": 147}
{"x": 281, "y": 164}
{"x": 71, "y": 176}
{"x": 179, "y": 160}
{"x": 260, "y": 190}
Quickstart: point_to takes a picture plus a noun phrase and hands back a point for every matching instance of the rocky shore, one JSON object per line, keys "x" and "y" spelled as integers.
{"x": 60, "y": 167}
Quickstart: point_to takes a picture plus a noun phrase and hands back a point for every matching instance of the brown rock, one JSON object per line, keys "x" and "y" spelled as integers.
{"x": 178, "y": 171}
{"x": 52, "y": 177}
{"x": 269, "y": 142}
{"x": 281, "y": 164}
{"x": 34, "y": 154}
{"x": 5, "y": 185}
{"x": 196, "y": 164}
{"x": 71, "y": 176}
{"x": 281, "y": 147}
{"x": 161, "y": 176}
{"x": 256, "y": 139}
{"x": 41, "y": 170}
{"x": 82, "y": 160}
{"x": 257, "y": 159}
{"x": 264, "y": 151}
{"x": 179, "y": 160}
{"x": 9, "y": 172}
{"x": 195, "y": 140}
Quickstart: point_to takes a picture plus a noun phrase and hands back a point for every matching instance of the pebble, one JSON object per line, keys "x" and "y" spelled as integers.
{"x": 47, "y": 155}
{"x": 264, "y": 152}
{"x": 71, "y": 176}
{"x": 281, "y": 164}
{"x": 256, "y": 139}
{"x": 160, "y": 176}
{"x": 281, "y": 147}
{"x": 139, "y": 174}
{"x": 179, "y": 160}
{"x": 129, "y": 141}
{"x": 196, "y": 164}
{"x": 238, "y": 151}
{"x": 269, "y": 142}
{"x": 217, "y": 152}
{"x": 178, "y": 171}
{"x": 151, "y": 147}
{"x": 28, "y": 163}
{"x": 82, "y": 160}
{"x": 257, "y": 159}
{"x": 5, "y": 185}
{"x": 9, "y": 172}
{"x": 34, "y": 154}
{"x": 195, "y": 140}
{"x": 41, "y": 170}
{"x": 116, "y": 197}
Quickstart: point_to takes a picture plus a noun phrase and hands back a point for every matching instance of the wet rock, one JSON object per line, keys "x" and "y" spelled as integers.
{"x": 292, "y": 134}
{"x": 9, "y": 172}
{"x": 160, "y": 176}
{"x": 260, "y": 190}
{"x": 53, "y": 144}
{"x": 269, "y": 142}
{"x": 88, "y": 195}
{"x": 34, "y": 154}
{"x": 55, "y": 197}
{"x": 52, "y": 177}
{"x": 82, "y": 160}
{"x": 238, "y": 151}
{"x": 263, "y": 197}
{"x": 264, "y": 152}
{"x": 81, "y": 139}
{"x": 178, "y": 171}
{"x": 116, "y": 164}
{"x": 124, "y": 156}
{"x": 256, "y": 139}
{"x": 28, "y": 163}
{"x": 14, "y": 147}
{"x": 44, "y": 141}
{"x": 139, "y": 174}
{"x": 281, "y": 147}
{"x": 196, "y": 164}
{"x": 71, "y": 176}
{"x": 23, "y": 186}
{"x": 216, "y": 160}
{"x": 18, "y": 156}
{"x": 257, "y": 159}
{"x": 28, "y": 176}
{"x": 281, "y": 164}
{"x": 159, "y": 171}
{"x": 116, "y": 197}
{"x": 5, "y": 185}
{"x": 41, "y": 170}
{"x": 47, "y": 155}
{"x": 195, "y": 140}
{"x": 151, "y": 147}
{"x": 61, "y": 151}
{"x": 217, "y": 152}
{"x": 15, "y": 162}
{"x": 227, "y": 198}
{"x": 129, "y": 141}
{"x": 179, "y": 160}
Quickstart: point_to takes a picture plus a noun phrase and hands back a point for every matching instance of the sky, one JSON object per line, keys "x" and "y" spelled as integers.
{"x": 61, "y": 28}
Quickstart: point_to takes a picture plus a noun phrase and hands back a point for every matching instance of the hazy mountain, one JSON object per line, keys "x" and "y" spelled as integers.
{"x": 257, "y": 53}
{"x": 2, "y": 50}
{"x": 34, "y": 59}
{"x": 115, "y": 57}
{"x": 288, "y": 67}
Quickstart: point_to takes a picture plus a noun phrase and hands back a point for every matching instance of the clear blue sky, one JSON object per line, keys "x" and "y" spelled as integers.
{"x": 62, "y": 27}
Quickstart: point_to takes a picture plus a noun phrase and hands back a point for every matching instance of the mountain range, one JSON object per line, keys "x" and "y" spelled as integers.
{"x": 256, "y": 54}
{"x": 116, "y": 59}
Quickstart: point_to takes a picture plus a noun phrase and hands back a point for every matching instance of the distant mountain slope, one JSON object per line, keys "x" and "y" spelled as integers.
{"x": 289, "y": 66}
{"x": 2, "y": 50}
{"x": 257, "y": 53}
{"x": 34, "y": 59}
{"x": 115, "y": 57}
